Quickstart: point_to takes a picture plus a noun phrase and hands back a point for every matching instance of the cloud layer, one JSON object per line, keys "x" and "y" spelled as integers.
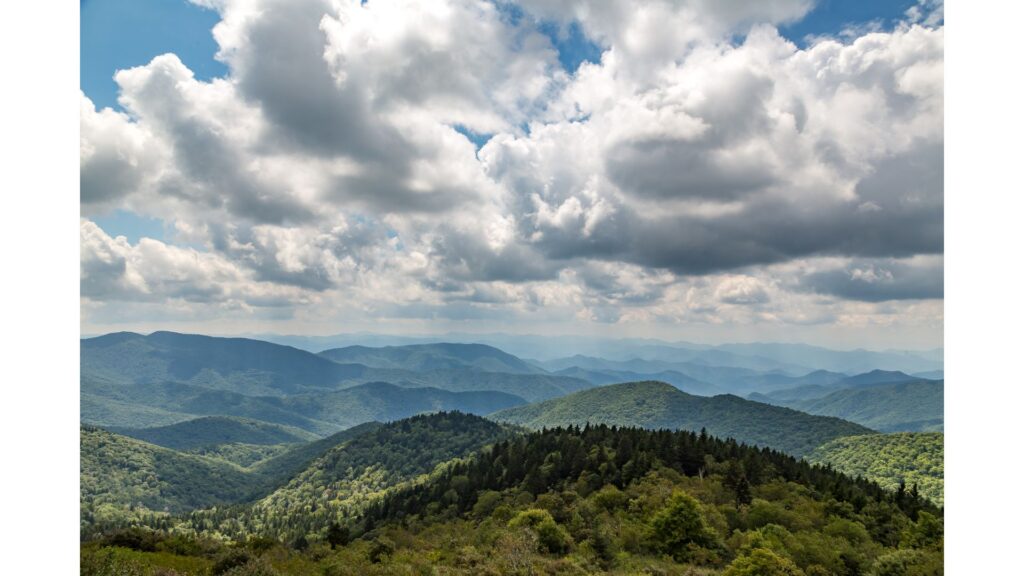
{"x": 706, "y": 171}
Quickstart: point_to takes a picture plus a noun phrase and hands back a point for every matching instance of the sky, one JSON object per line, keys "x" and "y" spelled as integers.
{"x": 683, "y": 170}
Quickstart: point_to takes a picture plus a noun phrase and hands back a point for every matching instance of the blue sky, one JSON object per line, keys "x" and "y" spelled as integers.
{"x": 119, "y": 34}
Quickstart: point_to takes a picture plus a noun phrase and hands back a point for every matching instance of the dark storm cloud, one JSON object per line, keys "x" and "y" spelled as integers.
{"x": 898, "y": 213}
{"x": 464, "y": 257}
{"x": 878, "y": 281}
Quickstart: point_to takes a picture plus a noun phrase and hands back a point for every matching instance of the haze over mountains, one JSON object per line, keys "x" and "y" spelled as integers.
{"x": 241, "y": 438}
{"x": 198, "y": 403}
{"x": 135, "y": 381}
{"x": 758, "y": 356}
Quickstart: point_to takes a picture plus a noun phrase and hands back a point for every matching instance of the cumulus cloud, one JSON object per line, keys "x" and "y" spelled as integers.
{"x": 705, "y": 170}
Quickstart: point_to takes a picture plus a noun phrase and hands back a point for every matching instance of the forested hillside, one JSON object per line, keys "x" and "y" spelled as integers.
{"x": 916, "y": 406}
{"x": 890, "y": 459}
{"x": 123, "y": 478}
{"x": 594, "y": 500}
{"x": 659, "y": 405}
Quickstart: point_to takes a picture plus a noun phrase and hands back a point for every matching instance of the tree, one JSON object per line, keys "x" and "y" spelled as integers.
{"x": 337, "y": 535}
{"x": 762, "y": 562}
{"x": 736, "y": 480}
{"x": 680, "y": 526}
{"x": 550, "y": 536}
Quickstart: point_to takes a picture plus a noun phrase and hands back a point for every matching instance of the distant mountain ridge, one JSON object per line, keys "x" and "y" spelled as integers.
{"x": 432, "y": 357}
{"x": 660, "y": 405}
{"x": 133, "y": 381}
{"x": 912, "y": 406}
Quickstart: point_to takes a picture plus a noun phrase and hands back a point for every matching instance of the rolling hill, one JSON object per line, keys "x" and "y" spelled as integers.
{"x": 126, "y": 480}
{"x": 320, "y": 413}
{"x": 914, "y": 458}
{"x": 350, "y": 475}
{"x": 458, "y": 494}
{"x": 600, "y": 377}
{"x": 123, "y": 478}
{"x": 216, "y": 430}
{"x": 660, "y": 405}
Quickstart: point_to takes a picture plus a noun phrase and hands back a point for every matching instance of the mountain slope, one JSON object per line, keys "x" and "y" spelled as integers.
{"x": 423, "y": 357}
{"x": 125, "y": 480}
{"x": 914, "y": 458}
{"x": 215, "y": 430}
{"x": 659, "y": 405}
{"x": 347, "y": 477}
{"x": 904, "y": 406}
{"x": 122, "y": 477}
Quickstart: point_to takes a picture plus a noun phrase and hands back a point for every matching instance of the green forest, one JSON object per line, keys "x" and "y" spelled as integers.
{"x": 890, "y": 459}
{"x": 457, "y": 494}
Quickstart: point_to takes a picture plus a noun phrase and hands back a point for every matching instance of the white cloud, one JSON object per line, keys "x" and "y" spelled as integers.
{"x": 685, "y": 178}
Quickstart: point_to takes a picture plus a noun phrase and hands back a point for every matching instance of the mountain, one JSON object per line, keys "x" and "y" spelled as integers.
{"x": 660, "y": 405}
{"x": 815, "y": 386}
{"x": 383, "y": 402}
{"x": 135, "y": 404}
{"x": 930, "y": 375}
{"x": 903, "y": 406}
{"x": 215, "y": 430}
{"x": 677, "y": 379}
{"x": 531, "y": 387}
{"x": 426, "y": 357}
{"x": 282, "y": 467}
{"x": 321, "y": 413}
{"x": 134, "y": 381}
{"x": 240, "y": 365}
{"x": 691, "y": 376}
{"x": 874, "y": 377}
{"x": 914, "y": 458}
{"x": 351, "y": 475}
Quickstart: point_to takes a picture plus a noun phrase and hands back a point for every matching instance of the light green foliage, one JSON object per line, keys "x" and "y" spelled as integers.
{"x": 913, "y": 457}
{"x": 550, "y": 536}
{"x": 555, "y": 502}
{"x": 908, "y": 562}
{"x": 762, "y": 562}
{"x": 123, "y": 479}
{"x": 679, "y": 528}
{"x": 356, "y": 472}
